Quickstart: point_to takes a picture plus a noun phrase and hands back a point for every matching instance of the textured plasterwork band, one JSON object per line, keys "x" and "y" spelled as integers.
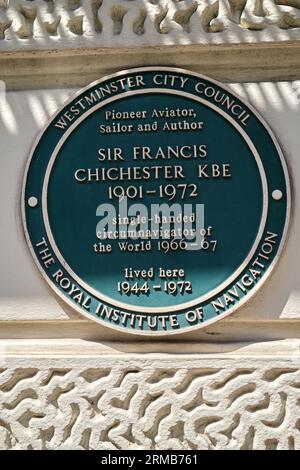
{"x": 72, "y": 23}
{"x": 245, "y": 400}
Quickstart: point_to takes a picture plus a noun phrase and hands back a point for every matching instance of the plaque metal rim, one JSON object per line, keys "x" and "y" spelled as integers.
{"x": 232, "y": 309}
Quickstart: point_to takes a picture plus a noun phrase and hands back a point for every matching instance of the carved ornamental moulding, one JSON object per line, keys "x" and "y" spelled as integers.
{"x": 119, "y": 23}
{"x": 156, "y": 201}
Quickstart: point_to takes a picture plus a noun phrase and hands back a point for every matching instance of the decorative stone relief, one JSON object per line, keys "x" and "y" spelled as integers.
{"x": 95, "y": 5}
{"x": 51, "y": 28}
{"x": 117, "y": 13}
{"x": 29, "y": 15}
{"x": 128, "y": 404}
{"x": 153, "y": 21}
{"x": 75, "y": 25}
{"x": 4, "y": 25}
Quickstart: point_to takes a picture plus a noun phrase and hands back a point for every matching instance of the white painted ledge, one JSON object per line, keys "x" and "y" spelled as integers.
{"x": 53, "y": 68}
{"x": 173, "y": 352}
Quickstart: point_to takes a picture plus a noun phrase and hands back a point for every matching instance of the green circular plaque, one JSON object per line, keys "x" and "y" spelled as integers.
{"x": 156, "y": 201}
